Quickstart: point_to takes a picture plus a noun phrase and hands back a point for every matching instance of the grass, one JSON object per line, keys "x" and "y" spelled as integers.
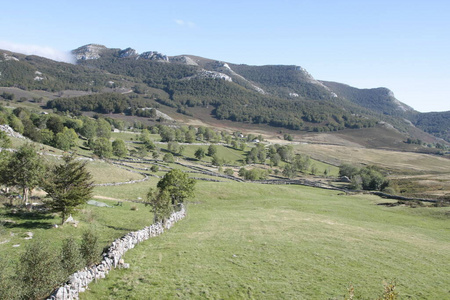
{"x": 110, "y": 223}
{"x": 103, "y": 172}
{"x": 287, "y": 242}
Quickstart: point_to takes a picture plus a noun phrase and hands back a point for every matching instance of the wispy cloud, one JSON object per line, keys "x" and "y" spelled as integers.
{"x": 43, "y": 51}
{"x": 185, "y": 23}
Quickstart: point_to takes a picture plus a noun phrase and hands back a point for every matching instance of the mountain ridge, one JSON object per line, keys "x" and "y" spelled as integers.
{"x": 289, "y": 96}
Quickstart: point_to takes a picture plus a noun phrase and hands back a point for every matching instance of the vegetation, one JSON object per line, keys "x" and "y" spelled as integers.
{"x": 69, "y": 185}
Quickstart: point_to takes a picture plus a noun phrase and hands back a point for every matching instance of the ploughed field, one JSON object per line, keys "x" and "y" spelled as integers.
{"x": 243, "y": 240}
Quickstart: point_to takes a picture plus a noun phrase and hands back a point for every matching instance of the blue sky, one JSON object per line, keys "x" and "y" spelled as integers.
{"x": 401, "y": 45}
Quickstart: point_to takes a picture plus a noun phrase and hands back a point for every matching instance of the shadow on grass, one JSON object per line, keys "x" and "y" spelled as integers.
{"x": 28, "y": 220}
{"x": 120, "y": 228}
{"x": 29, "y": 225}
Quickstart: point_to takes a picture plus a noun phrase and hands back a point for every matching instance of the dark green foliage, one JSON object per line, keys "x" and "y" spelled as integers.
{"x": 199, "y": 153}
{"x": 281, "y": 80}
{"x": 119, "y": 148}
{"x": 5, "y": 141}
{"x": 253, "y": 174}
{"x": 102, "y": 147}
{"x": 66, "y": 139}
{"x": 160, "y": 203}
{"x": 39, "y": 270}
{"x": 436, "y": 123}
{"x": 90, "y": 247}
{"x": 348, "y": 170}
{"x": 24, "y": 169}
{"x": 9, "y": 289}
{"x": 69, "y": 185}
{"x": 367, "y": 178}
{"x": 212, "y": 149}
{"x": 168, "y": 158}
{"x": 228, "y": 171}
{"x": 71, "y": 259}
{"x": 172, "y": 190}
{"x": 179, "y": 186}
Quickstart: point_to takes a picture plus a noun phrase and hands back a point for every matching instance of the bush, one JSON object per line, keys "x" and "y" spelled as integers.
{"x": 39, "y": 270}
{"x": 90, "y": 247}
{"x": 71, "y": 259}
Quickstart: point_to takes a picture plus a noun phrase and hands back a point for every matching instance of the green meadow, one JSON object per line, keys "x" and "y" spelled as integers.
{"x": 252, "y": 241}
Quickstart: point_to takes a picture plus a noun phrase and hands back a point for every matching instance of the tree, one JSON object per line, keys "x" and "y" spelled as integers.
{"x": 168, "y": 158}
{"x": 170, "y": 194}
{"x": 103, "y": 128}
{"x": 199, "y": 153}
{"x": 160, "y": 204}
{"x": 69, "y": 185}
{"x": 212, "y": 149}
{"x": 102, "y": 147}
{"x": 66, "y": 139}
{"x": 119, "y": 148}
{"x": 23, "y": 169}
{"x": 179, "y": 186}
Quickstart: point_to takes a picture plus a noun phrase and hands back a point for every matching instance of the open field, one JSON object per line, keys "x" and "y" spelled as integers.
{"x": 404, "y": 162}
{"x": 287, "y": 242}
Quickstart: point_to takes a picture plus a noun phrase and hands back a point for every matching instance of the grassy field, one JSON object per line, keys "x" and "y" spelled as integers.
{"x": 286, "y": 242}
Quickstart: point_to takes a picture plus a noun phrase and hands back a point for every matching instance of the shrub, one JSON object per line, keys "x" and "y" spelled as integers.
{"x": 71, "y": 259}
{"x": 90, "y": 247}
{"x": 39, "y": 270}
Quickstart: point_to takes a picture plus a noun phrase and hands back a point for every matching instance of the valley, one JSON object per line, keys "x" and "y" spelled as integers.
{"x": 133, "y": 118}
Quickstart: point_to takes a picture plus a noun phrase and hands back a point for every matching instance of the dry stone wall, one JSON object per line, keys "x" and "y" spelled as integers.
{"x": 112, "y": 258}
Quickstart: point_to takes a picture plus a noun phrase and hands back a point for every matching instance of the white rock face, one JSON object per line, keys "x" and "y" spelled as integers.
{"x": 215, "y": 75}
{"x": 129, "y": 52}
{"x": 91, "y": 51}
{"x": 9, "y": 57}
{"x": 153, "y": 55}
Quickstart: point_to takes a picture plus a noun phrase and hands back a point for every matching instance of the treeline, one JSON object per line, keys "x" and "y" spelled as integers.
{"x": 235, "y": 103}
{"x": 37, "y": 73}
{"x": 435, "y": 123}
{"x": 105, "y": 103}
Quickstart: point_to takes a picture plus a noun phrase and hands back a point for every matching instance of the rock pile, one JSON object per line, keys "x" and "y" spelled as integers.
{"x": 9, "y": 131}
{"x": 112, "y": 258}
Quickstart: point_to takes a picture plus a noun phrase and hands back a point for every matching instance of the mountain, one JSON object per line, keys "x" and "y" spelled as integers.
{"x": 276, "y": 95}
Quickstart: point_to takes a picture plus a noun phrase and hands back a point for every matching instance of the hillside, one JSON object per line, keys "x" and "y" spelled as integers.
{"x": 284, "y": 97}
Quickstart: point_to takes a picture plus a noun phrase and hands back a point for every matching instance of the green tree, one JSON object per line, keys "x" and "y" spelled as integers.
{"x": 212, "y": 149}
{"x": 160, "y": 204}
{"x": 103, "y": 128}
{"x": 119, "y": 148}
{"x": 69, "y": 185}
{"x": 199, "y": 153}
{"x": 179, "y": 186}
{"x": 168, "y": 158}
{"x": 170, "y": 194}
{"x": 66, "y": 139}
{"x": 89, "y": 129}
{"x": 23, "y": 169}
{"x": 102, "y": 147}
{"x": 289, "y": 171}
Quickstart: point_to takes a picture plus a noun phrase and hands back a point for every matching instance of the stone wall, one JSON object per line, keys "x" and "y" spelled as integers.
{"x": 112, "y": 258}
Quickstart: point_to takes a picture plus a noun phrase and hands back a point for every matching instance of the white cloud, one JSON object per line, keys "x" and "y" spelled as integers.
{"x": 185, "y": 23}
{"x": 43, "y": 51}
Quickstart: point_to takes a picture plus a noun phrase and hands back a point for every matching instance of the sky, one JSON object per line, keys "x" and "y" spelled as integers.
{"x": 398, "y": 44}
